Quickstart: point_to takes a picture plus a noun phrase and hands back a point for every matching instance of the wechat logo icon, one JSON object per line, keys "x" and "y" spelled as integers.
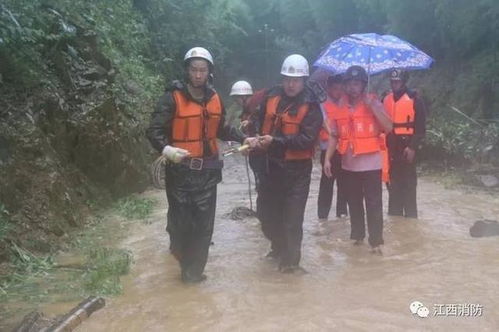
{"x": 418, "y": 309}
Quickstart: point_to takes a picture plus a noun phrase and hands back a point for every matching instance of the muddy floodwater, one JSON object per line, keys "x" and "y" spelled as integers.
{"x": 432, "y": 260}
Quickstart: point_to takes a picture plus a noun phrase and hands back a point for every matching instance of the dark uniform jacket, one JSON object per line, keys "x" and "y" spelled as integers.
{"x": 309, "y": 129}
{"x": 160, "y": 131}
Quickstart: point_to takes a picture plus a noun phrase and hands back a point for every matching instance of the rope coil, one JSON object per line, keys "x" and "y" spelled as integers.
{"x": 158, "y": 172}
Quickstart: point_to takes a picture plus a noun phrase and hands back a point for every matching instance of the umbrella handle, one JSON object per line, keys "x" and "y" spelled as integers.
{"x": 369, "y": 71}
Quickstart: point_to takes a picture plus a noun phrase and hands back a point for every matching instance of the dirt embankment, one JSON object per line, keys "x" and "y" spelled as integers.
{"x": 66, "y": 144}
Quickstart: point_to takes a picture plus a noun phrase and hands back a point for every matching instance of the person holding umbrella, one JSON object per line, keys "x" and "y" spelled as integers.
{"x": 408, "y": 113}
{"x": 355, "y": 133}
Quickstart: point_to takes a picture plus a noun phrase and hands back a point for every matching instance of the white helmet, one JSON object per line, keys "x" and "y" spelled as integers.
{"x": 199, "y": 52}
{"x": 241, "y": 88}
{"x": 295, "y": 65}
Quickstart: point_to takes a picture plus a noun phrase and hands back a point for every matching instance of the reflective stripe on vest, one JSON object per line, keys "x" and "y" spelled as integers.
{"x": 357, "y": 129}
{"x": 286, "y": 124}
{"x": 194, "y": 123}
{"x": 401, "y": 112}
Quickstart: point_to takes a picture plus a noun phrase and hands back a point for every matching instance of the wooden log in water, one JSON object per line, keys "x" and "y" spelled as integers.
{"x": 78, "y": 314}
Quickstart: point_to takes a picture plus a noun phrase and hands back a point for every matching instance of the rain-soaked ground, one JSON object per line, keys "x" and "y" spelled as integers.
{"x": 432, "y": 260}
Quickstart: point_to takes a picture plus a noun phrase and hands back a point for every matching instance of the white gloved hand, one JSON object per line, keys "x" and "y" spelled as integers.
{"x": 175, "y": 154}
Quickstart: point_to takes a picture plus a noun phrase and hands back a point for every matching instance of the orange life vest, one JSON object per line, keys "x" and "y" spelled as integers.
{"x": 401, "y": 112}
{"x": 358, "y": 129}
{"x": 194, "y": 124}
{"x": 385, "y": 160}
{"x": 287, "y": 124}
{"x": 329, "y": 109}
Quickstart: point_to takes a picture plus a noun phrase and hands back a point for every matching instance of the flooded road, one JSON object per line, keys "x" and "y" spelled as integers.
{"x": 432, "y": 260}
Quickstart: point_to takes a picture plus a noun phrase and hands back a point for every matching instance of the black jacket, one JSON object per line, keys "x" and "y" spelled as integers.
{"x": 159, "y": 133}
{"x": 160, "y": 128}
{"x": 309, "y": 128}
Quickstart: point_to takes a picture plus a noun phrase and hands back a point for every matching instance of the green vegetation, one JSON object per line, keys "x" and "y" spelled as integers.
{"x": 77, "y": 83}
{"x": 38, "y": 277}
{"x": 33, "y": 30}
{"x": 35, "y": 280}
{"x": 5, "y": 225}
{"x": 466, "y": 53}
{"x": 78, "y": 80}
{"x": 90, "y": 264}
{"x": 146, "y": 39}
{"x": 464, "y": 140}
{"x": 105, "y": 266}
{"x": 25, "y": 262}
{"x": 134, "y": 207}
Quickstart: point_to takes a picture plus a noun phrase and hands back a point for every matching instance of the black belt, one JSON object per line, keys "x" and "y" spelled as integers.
{"x": 198, "y": 164}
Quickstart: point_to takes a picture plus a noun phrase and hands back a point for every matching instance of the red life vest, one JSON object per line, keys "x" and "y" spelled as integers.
{"x": 287, "y": 124}
{"x": 194, "y": 123}
{"x": 401, "y": 112}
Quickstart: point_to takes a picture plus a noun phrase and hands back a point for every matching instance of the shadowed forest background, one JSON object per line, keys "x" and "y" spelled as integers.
{"x": 78, "y": 80}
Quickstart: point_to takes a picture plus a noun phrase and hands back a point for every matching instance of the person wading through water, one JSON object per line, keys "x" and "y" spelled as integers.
{"x": 355, "y": 132}
{"x": 408, "y": 113}
{"x": 289, "y": 121}
{"x": 242, "y": 92}
{"x": 329, "y": 107}
{"x": 185, "y": 126}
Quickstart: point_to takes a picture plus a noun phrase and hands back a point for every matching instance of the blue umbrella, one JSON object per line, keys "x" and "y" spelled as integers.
{"x": 376, "y": 53}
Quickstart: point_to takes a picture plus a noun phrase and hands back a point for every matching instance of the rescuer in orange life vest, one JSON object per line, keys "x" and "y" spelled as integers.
{"x": 324, "y": 200}
{"x": 408, "y": 113}
{"x": 242, "y": 93}
{"x": 355, "y": 133}
{"x": 184, "y": 127}
{"x": 288, "y": 121}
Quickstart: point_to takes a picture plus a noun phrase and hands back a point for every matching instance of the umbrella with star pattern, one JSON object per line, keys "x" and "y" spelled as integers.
{"x": 376, "y": 53}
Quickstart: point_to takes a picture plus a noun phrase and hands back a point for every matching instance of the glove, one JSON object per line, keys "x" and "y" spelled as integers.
{"x": 174, "y": 154}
